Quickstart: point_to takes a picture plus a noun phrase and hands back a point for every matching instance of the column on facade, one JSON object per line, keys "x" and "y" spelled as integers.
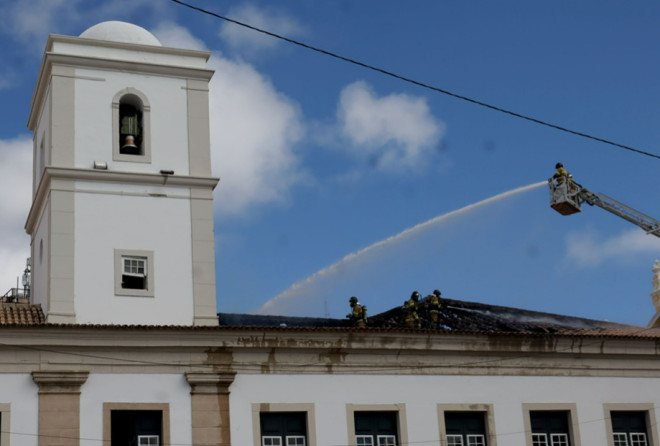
{"x": 59, "y": 406}
{"x": 210, "y": 407}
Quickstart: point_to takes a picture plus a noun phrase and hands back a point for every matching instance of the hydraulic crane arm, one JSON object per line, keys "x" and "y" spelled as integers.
{"x": 566, "y": 197}
{"x": 649, "y": 224}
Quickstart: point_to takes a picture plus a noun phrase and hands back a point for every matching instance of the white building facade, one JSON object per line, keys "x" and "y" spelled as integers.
{"x": 121, "y": 344}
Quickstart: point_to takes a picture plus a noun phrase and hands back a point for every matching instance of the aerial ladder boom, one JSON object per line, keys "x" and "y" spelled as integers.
{"x": 566, "y": 197}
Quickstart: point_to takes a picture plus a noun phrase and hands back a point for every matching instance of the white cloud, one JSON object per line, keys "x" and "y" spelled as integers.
{"x": 15, "y": 197}
{"x": 30, "y": 21}
{"x": 254, "y": 131}
{"x": 176, "y": 36}
{"x": 397, "y": 131}
{"x": 248, "y": 40}
{"x": 586, "y": 249}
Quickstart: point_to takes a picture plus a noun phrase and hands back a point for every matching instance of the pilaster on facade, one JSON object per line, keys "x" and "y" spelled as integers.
{"x": 210, "y": 406}
{"x": 59, "y": 406}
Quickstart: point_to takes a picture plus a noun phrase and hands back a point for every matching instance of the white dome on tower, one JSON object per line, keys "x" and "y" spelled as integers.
{"x": 116, "y": 31}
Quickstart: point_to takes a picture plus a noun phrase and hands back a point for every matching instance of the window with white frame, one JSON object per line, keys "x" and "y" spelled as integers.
{"x": 295, "y": 440}
{"x": 476, "y": 440}
{"x": 364, "y": 440}
{"x": 465, "y": 428}
{"x": 379, "y": 428}
{"x": 148, "y": 440}
{"x": 629, "y": 428}
{"x": 283, "y": 428}
{"x": 386, "y": 440}
{"x": 134, "y": 273}
{"x": 455, "y": 440}
{"x": 550, "y": 427}
{"x": 270, "y": 440}
{"x": 539, "y": 440}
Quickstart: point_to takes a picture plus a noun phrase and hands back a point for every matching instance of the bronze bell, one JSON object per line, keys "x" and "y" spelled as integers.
{"x": 129, "y": 142}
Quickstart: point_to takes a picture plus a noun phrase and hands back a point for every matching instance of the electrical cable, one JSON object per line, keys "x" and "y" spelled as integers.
{"x": 425, "y": 85}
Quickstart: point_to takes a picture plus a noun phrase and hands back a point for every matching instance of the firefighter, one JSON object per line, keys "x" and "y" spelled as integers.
{"x": 561, "y": 174}
{"x": 358, "y": 314}
{"x": 433, "y": 303}
{"x": 410, "y": 314}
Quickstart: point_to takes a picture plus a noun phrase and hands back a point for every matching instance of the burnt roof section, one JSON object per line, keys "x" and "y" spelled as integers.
{"x": 458, "y": 315}
{"x": 455, "y": 316}
{"x": 256, "y": 320}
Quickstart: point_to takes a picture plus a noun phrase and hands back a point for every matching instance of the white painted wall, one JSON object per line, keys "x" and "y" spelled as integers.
{"x": 421, "y": 394}
{"x": 40, "y": 263}
{"x": 105, "y": 222}
{"x": 93, "y": 120}
{"x": 20, "y": 391}
{"x": 42, "y": 133}
{"x": 135, "y": 388}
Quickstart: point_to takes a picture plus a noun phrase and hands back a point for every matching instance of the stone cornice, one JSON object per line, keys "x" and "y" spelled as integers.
{"x": 122, "y": 350}
{"x": 210, "y": 382}
{"x": 126, "y": 46}
{"x": 60, "y": 381}
{"x": 72, "y": 174}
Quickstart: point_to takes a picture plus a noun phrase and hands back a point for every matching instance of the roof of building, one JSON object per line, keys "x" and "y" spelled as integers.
{"x": 456, "y": 317}
{"x": 124, "y": 32}
{"x": 21, "y": 314}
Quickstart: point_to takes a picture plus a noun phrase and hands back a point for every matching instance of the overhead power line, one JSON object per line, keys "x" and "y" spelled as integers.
{"x": 425, "y": 85}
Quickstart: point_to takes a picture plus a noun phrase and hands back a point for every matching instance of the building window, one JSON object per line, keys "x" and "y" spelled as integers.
{"x": 466, "y": 424}
{"x": 629, "y": 428}
{"x": 138, "y": 427}
{"x": 283, "y": 428}
{"x": 139, "y": 424}
{"x": 130, "y": 126}
{"x": 376, "y": 428}
{"x": 134, "y": 276}
{"x": 550, "y": 427}
{"x": 465, "y": 428}
{"x": 283, "y": 424}
{"x": 134, "y": 273}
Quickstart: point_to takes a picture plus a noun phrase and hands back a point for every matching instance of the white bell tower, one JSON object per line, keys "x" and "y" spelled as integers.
{"x": 122, "y": 211}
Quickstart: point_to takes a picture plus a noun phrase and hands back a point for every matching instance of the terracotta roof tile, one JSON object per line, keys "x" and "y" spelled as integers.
{"x": 21, "y": 314}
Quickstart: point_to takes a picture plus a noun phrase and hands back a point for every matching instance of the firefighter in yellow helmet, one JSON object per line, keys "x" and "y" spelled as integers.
{"x": 561, "y": 174}
{"x": 411, "y": 317}
{"x": 433, "y": 304}
{"x": 358, "y": 314}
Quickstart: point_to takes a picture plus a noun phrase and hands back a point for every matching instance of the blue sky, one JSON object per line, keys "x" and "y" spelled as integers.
{"x": 319, "y": 159}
